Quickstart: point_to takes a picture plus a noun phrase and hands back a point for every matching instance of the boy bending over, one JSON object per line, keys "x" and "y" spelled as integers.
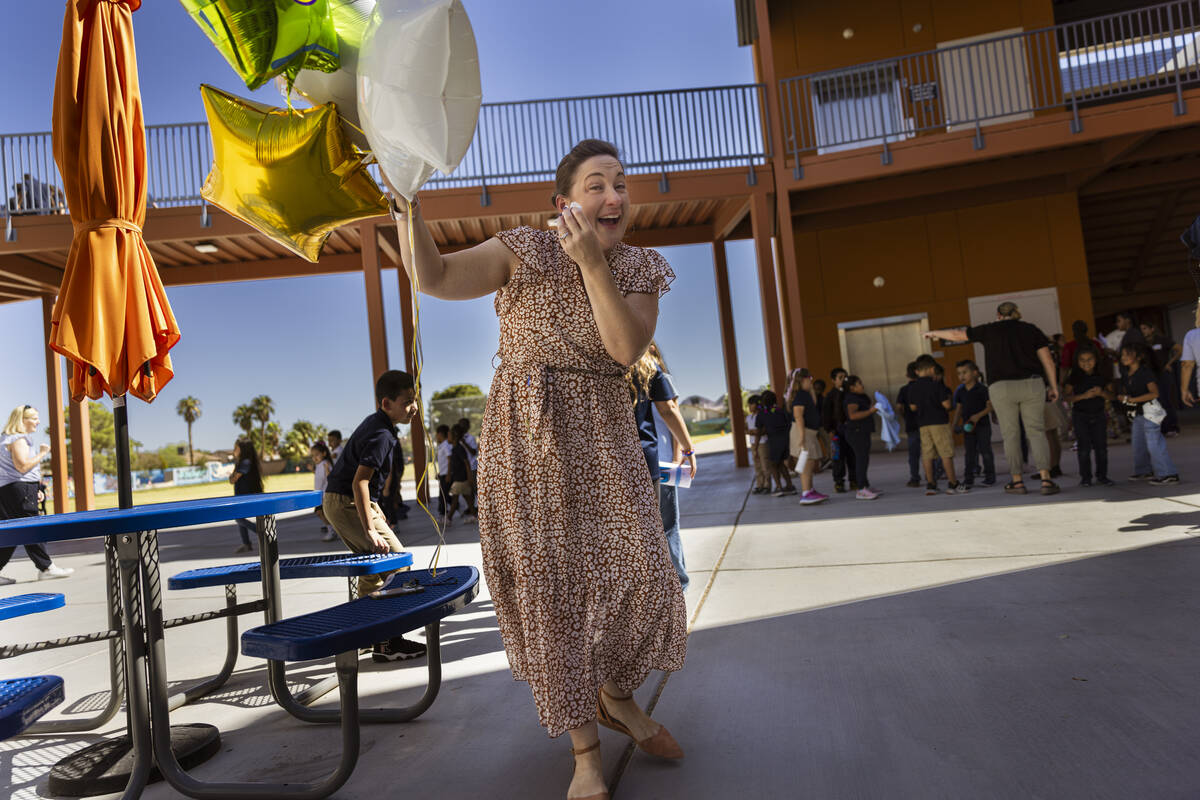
{"x": 351, "y": 500}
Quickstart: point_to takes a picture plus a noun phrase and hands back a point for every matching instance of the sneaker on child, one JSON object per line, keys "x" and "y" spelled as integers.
{"x": 931, "y": 489}
{"x": 396, "y": 649}
{"x": 812, "y": 497}
{"x": 866, "y": 494}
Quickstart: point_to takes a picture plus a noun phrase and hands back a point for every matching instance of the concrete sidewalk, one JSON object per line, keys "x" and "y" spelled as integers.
{"x": 978, "y": 646}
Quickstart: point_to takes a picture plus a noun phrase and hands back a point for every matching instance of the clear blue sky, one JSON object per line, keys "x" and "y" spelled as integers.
{"x": 304, "y": 341}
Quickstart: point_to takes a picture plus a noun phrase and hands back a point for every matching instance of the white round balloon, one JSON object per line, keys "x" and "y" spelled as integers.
{"x": 418, "y": 88}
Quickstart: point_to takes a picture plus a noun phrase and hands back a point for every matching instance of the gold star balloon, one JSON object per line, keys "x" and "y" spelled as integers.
{"x": 289, "y": 173}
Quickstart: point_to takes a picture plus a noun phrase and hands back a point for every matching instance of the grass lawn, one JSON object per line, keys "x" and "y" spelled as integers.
{"x": 705, "y": 437}
{"x": 273, "y": 483}
{"x": 289, "y": 482}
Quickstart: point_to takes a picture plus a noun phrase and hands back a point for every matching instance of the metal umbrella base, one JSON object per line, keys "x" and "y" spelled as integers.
{"x": 104, "y": 767}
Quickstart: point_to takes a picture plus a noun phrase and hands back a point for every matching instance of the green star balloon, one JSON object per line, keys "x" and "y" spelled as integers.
{"x": 264, "y": 38}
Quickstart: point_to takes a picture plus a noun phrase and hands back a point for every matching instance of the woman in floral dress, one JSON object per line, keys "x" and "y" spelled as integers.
{"x": 573, "y": 547}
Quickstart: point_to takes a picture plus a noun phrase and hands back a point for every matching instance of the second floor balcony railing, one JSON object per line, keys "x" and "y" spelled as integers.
{"x": 657, "y": 132}
{"x": 973, "y": 83}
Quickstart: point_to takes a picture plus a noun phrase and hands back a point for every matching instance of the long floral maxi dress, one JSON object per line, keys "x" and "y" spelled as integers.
{"x": 573, "y": 547}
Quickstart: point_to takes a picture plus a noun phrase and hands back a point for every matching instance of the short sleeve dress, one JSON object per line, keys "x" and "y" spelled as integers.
{"x": 573, "y": 547}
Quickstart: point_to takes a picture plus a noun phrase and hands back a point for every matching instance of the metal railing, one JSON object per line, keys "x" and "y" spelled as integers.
{"x": 995, "y": 79}
{"x": 657, "y": 132}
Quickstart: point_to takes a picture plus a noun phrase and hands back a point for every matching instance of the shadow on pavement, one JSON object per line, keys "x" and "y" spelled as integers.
{"x": 1074, "y": 680}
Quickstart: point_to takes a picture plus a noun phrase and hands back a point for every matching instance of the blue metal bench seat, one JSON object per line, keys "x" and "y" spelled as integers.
{"x": 340, "y": 631}
{"x": 322, "y": 566}
{"x": 362, "y": 622}
{"x": 346, "y": 565}
{"x": 23, "y": 701}
{"x": 22, "y": 604}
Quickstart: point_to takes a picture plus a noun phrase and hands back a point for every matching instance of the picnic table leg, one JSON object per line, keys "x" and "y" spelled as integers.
{"x": 194, "y": 693}
{"x": 90, "y": 770}
{"x": 198, "y": 742}
{"x": 138, "y": 710}
{"x": 277, "y": 681}
{"x": 347, "y": 669}
{"x": 116, "y": 657}
{"x": 168, "y": 763}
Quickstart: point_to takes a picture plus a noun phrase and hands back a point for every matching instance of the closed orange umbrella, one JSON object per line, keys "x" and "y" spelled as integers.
{"x": 112, "y": 318}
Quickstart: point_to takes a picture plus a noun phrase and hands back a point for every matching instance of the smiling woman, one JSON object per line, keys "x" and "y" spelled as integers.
{"x": 573, "y": 546}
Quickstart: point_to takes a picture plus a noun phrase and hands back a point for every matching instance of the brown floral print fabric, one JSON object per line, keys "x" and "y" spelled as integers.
{"x": 573, "y": 548}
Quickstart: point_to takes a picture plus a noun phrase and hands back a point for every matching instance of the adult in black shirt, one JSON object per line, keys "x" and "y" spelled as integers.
{"x": 833, "y": 417}
{"x": 246, "y": 479}
{"x": 1021, "y": 377}
{"x": 1086, "y": 391}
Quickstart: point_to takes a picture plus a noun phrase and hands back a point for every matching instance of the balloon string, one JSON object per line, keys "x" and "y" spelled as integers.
{"x": 352, "y": 125}
{"x": 418, "y": 360}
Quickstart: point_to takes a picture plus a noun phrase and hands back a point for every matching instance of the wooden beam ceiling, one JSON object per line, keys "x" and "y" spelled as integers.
{"x": 19, "y": 269}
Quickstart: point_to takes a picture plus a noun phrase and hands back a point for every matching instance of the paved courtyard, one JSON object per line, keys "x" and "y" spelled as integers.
{"x": 978, "y": 646}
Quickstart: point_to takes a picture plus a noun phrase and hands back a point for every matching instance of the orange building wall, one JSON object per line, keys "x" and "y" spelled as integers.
{"x": 933, "y": 263}
{"x": 806, "y": 35}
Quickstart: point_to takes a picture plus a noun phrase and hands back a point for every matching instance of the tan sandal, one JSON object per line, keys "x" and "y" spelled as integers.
{"x": 662, "y": 744}
{"x": 588, "y": 749}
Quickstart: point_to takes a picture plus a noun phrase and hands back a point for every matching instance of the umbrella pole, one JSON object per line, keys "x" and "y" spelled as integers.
{"x": 124, "y": 467}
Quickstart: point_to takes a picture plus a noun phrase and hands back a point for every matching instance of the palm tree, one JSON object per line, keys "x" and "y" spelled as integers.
{"x": 262, "y": 407}
{"x": 189, "y": 409}
{"x": 243, "y": 417}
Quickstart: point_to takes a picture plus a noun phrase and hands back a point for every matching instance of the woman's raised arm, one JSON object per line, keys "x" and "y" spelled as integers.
{"x": 470, "y": 273}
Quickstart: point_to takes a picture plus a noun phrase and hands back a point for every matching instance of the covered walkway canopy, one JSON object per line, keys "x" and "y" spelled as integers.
{"x": 699, "y": 173}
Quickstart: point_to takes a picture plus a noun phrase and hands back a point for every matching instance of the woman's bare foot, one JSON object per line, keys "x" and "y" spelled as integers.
{"x": 589, "y": 776}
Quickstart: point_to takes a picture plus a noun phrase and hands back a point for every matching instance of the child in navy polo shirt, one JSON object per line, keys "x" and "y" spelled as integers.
{"x": 912, "y": 429}
{"x": 930, "y": 399}
{"x": 352, "y": 492}
{"x": 973, "y": 410}
{"x": 776, "y": 425}
{"x": 1086, "y": 391}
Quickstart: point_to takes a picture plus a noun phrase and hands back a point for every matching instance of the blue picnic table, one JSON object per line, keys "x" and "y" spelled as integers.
{"x": 132, "y": 543}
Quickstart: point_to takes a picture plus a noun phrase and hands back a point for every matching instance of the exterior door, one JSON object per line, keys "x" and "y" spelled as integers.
{"x": 984, "y": 78}
{"x": 879, "y": 350}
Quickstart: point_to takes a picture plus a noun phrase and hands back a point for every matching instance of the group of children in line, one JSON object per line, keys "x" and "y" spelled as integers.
{"x": 812, "y": 429}
{"x": 458, "y": 470}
